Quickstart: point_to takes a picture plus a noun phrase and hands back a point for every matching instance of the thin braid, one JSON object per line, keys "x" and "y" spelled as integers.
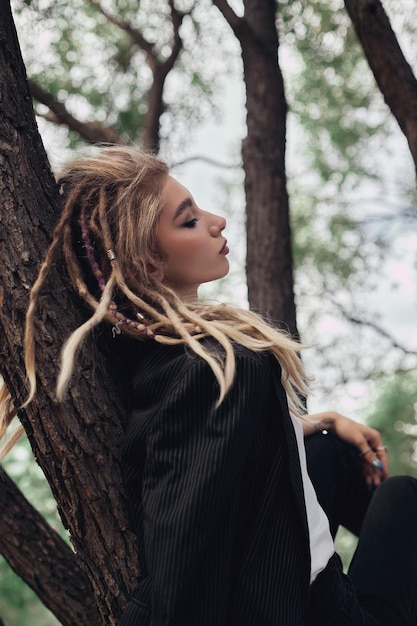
{"x": 75, "y": 339}
{"x": 29, "y": 337}
{"x": 178, "y": 324}
{"x": 141, "y": 304}
{"x": 72, "y": 261}
{"x": 247, "y": 328}
{"x": 112, "y": 306}
{"x": 7, "y": 414}
{"x": 90, "y": 251}
{"x": 105, "y": 229}
{"x": 162, "y": 320}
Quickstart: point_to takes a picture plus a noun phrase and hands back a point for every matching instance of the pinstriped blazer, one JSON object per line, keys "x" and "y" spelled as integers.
{"x": 216, "y": 494}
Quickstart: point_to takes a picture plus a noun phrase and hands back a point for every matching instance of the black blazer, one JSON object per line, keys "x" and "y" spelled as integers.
{"x": 216, "y": 494}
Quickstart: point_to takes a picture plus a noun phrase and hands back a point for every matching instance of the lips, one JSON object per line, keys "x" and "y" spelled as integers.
{"x": 225, "y": 249}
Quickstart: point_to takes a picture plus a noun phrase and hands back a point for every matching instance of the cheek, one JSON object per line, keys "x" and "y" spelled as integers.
{"x": 185, "y": 251}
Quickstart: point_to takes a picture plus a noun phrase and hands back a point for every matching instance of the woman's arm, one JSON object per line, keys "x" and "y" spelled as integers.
{"x": 192, "y": 482}
{"x": 367, "y": 440}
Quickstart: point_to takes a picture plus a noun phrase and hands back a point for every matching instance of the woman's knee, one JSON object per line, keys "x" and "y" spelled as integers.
{"x": 396, "y": 499}
{"x": 398, "y": 487}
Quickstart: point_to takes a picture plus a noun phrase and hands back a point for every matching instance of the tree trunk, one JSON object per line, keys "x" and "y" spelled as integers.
{"x": 393, "y": 74}
{"x": 43, "y": 560}
{"x": 77, "y": 444}
{"x": 269, "y": 264}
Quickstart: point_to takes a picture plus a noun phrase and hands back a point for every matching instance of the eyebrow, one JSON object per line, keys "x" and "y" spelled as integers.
{"x": 185, "y": 204}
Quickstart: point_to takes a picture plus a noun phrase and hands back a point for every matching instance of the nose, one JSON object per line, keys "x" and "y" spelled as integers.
{"x": 218, "y": 224}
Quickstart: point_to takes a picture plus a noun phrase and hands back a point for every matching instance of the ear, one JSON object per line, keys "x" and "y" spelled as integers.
{"x": 156, "y": 271}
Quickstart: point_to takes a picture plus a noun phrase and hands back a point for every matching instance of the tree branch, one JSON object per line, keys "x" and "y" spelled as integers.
{"x": 392, "y": 72}
{"x": 134, "y": 33}
{"x": 92, "y": 132}
{"x": 207, "y": 160}
{"x": 160, "y": 69}
{"x": 176, "y": 18}
{"x": 381, "y": 331}
{"x": 229, "y": 15}
{"x": 42, "y": 559}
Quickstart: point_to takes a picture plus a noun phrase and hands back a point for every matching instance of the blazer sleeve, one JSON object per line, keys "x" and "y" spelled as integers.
{"x": 192, "y": 480}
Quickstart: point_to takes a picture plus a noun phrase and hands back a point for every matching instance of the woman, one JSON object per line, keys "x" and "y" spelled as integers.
{"x": 229, "y": 527}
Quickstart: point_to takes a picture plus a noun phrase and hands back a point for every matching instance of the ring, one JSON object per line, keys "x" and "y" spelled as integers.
{"x": 365, "y": 452}
{"x": 384, "y": 448}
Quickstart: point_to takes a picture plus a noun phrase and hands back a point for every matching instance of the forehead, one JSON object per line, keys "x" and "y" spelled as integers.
{"x": 175, "y": 197}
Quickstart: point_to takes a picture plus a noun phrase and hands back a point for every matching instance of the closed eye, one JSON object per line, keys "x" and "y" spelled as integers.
{"x": 191, "y": 223}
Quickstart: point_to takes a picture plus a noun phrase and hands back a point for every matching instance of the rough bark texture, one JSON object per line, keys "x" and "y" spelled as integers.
{"x": 393, "y": 74}
{"x": 76, "y": 444}
{"x": 269, "y": 254}
{"x": 43, "y": 560}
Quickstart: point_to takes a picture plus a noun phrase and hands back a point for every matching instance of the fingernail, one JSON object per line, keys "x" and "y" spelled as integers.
{"x": 377, "y": 463}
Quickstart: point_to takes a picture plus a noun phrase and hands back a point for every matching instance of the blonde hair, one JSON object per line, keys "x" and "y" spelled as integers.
{"x": 107, "y": 233}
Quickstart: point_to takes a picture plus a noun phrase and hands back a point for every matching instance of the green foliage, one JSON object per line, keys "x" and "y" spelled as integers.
{"x": 337, "y": 159}
{"x": 92, "y": 61}
{"x": 394, "y": 413}
{"x": 345, "y": 545}
{"x": 26, "y": 473}
{"x": 328, "y": 242}
{"x": 332, "y": 93}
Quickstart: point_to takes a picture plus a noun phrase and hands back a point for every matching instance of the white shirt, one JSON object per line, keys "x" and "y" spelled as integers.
{"x": 321, "y": 542}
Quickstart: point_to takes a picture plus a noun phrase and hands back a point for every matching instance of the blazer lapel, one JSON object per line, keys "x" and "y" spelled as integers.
{"x": 294, "y": 458}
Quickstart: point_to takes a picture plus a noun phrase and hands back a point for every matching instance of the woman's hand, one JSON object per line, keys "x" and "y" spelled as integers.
{"x": 367, "y": 440}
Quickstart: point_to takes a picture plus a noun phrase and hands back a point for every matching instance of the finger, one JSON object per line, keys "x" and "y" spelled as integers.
{"x": 380, "y": 450}
{"x": 382, "y": 454}
{"x": 368, "y": 474}
{"x": 369, "y": 456}
{"x": 373, "y": 477}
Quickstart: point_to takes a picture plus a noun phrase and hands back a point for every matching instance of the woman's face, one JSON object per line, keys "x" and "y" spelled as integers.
{"x": 190, "y": 240}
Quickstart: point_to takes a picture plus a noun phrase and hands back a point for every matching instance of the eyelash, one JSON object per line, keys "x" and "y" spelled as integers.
{"x": 191, "y": 223}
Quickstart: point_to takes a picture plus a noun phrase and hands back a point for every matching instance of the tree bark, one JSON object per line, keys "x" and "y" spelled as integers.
{"x": 77, "y": 443}
{"x": 42, "y": 559}
{"x": 269, "y": 264}
{"x": 393, "y": 74}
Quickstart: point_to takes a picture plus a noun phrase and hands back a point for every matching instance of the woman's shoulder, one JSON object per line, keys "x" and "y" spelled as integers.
{"x": 159, "y": 357}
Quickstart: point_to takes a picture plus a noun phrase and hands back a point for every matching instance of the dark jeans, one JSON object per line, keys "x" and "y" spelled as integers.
{"x": 333, "y": 600}
{"x": 381, "y": 588}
